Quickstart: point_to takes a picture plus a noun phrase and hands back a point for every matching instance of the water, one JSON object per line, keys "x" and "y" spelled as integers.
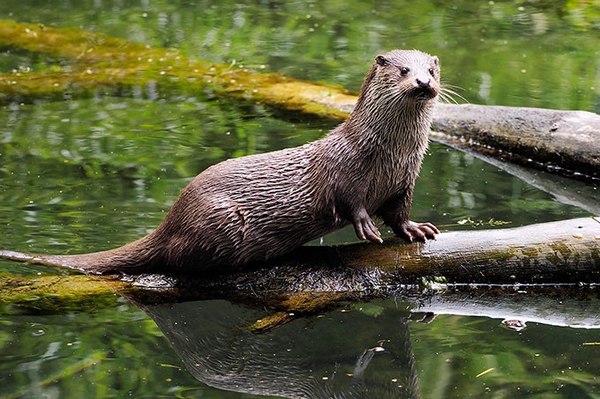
{"x": 91, "y": 174}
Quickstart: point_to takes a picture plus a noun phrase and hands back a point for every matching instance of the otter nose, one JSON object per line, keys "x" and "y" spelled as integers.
{"x": 424, "y": 83}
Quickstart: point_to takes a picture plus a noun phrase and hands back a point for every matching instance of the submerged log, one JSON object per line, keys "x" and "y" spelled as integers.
{"x": 565, "y": 142}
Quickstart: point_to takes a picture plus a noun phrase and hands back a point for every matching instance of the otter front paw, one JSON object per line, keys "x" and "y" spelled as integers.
{"x": 365, "y": 228}
{"x": 417, "y": 231}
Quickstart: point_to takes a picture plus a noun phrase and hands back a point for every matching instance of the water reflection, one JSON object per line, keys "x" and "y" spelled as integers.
{"x": 378, "y": 349}
{"x": 562, "y": 189}
{"x": 318, "y": 357}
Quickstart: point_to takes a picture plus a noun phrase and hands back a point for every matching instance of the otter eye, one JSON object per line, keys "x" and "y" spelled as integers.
{"x": 431, "y": 71}
{"x": 404, "y": 70}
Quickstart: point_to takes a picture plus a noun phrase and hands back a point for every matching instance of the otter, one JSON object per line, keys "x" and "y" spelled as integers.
{"x": 254, "y": 208}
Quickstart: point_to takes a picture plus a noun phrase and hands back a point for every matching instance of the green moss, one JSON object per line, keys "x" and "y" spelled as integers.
{"x": 55, "y": 293}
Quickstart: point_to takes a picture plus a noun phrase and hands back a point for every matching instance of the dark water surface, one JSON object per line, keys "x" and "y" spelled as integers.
{"x": 91, "y": 174}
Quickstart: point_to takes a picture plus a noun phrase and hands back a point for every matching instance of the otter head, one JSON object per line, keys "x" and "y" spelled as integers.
{"x": 411, "y": 74}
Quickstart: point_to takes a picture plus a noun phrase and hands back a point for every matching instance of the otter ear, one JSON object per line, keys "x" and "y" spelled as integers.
{"x": 436, "y": 60}
{"x": 381, "y": 60}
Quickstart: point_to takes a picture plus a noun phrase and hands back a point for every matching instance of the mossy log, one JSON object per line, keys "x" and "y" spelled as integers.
{"x": 87, "y": 64}
{"x": 565, "y": 142}
{"x": 563, "y": 253}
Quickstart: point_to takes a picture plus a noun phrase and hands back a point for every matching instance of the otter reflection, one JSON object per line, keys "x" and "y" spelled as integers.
{"x": 334, "y": 355}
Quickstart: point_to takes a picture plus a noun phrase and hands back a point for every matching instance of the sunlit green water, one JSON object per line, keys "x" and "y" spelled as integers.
{"x": 542, "y": 54}
{"x": 85, "y": 175}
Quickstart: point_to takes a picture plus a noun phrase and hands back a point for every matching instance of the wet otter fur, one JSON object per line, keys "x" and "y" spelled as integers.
{"x": 257, "y": 207}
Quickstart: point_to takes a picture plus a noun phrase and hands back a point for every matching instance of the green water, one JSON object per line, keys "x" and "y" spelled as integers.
{"x": 91, "y": 174}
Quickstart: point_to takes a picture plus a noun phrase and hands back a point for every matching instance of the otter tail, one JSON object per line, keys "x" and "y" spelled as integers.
{"x": 136, "y": 257}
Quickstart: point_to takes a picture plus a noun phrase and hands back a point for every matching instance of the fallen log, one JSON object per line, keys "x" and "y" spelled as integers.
{"x": 563, "y": 253}
{"x": 563, "y": 142}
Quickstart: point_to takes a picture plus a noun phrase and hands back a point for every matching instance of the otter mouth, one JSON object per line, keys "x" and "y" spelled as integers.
{"x": 424, "y": 93}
